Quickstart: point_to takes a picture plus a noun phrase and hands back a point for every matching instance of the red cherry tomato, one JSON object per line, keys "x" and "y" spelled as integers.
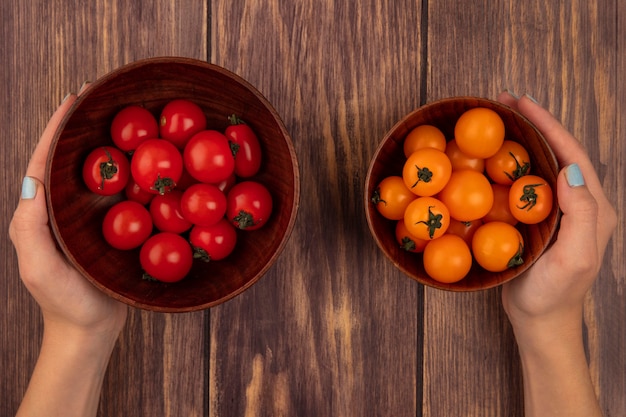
{"x": 166, "y": 257}
{"x": 135, "y": 193}
{"x": 203, "y": 204}
{"x": 245, "y": 146}
{"x": 131, "y": 126}
{"x": 227, "y": 184}
{"x": 156, "y": 166}
{"x": 208, "y": 157}
{"x": 213, "y": 243}
{"x": 180, "y": 120}
{"x": 127, "y": 225}
{"x": 249, "y": 205}
{"x": 106, "y": 170}
{"x": 166, "y": 213}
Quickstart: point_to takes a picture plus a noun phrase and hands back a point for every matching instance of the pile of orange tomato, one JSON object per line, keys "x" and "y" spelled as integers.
{"x": 460, "y": 201}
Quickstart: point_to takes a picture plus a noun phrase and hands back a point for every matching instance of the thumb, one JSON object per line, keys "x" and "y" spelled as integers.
{"x": 577, "y": 238}
{"x": 29, "y": 229}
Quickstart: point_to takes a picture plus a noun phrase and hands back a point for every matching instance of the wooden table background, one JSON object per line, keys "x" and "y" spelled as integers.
{"x": 333, "y": 329}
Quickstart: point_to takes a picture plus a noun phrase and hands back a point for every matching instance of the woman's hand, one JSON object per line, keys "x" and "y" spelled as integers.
{"x": 545, "y": 305}
{"x": 81, "y": 324}
{"x": 555, "y": 287}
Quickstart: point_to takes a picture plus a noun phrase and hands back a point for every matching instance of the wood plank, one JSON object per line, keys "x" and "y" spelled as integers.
{"x": 331, "y": 330}
{"x": 48, "y": 49}
{"x": 564, "y": 55}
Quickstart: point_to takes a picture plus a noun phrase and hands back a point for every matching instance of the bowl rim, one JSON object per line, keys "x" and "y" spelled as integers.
{"x": 451, "y": 287}
{"x": 157, "y": 60}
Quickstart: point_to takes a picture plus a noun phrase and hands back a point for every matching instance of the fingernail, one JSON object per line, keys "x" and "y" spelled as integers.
{"x": 29, "y": 188}
{"x": 574, "y": 176}
{"x": 531, "y": 98}
{"x": 82, "y": 87}
{"x": 66, "y": 97}
{"x": 515, "y": 96}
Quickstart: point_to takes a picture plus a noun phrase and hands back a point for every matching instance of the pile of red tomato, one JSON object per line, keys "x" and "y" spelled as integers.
{"x": 188, "y": 188}
{"x": 460, "y": 200}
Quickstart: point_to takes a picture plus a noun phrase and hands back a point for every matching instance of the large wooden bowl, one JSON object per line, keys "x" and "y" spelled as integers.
{"x": 76, "y": 214}
{"x": 389, "y": 159}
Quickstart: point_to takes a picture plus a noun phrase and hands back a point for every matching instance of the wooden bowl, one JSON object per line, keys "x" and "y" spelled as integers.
{"x": 76, "y": 214}
{"x": 389, "y": 159}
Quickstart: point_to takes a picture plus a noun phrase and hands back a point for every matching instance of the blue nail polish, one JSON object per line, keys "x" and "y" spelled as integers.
{"x": 531, "y": 98}
{"x": 574, "y": 176}
{"x": 515, "y": 96}
{"x": 29, "y": 188}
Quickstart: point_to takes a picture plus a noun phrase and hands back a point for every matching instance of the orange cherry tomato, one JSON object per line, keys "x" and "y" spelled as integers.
{"x": 426, "y": 218}
{"x": 498, "y": 246}
{"x": 479, "y": 132}
{"x": 460, "y": 161}
{"x": 391, "y": 197}
{"x": 424, "y": 136}
{"x": 407, "y": 241}
{"x": 426, "y": 171}
{"x": 447, "y": 259}
{"x": 500, "y": 211}
{"x": 464, "y": 230}
{"x": 508, "y": 164}
{"x": 530, "y": 199}
{"x": 468, "y": 195}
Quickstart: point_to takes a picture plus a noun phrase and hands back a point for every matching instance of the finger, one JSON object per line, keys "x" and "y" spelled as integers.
{"x": 579, "y": 222}
{"x": 84, "y": 87}
{"x": 30, "y": 233}
{"x": 508, "y": 98}
{"x": 567, "y": 148}
{"x": 37, "y": 166}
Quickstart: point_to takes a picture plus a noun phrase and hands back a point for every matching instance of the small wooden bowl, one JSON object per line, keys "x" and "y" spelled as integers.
{"x": 76, "y": 214}
{"x": 389, "y": 159}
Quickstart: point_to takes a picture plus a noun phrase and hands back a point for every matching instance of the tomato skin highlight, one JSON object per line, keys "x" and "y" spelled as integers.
{"x": 166, "y": 257}
{"x": 392, "y": 197}
{"x": 530, "y": 199}
{"x": 181, "y": 119}
{"x": 156, "y": 166}
{"x": 245, "y": 146}
{"x": 208, "y": 157}
{"x": 131, "y": 126}
{"x": 126, "y": 225}
{"x": 447, "y": 259}
{"x": 106, "y": 170}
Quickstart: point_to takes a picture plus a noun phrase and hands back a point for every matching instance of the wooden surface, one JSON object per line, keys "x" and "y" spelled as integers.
{"x": 333, "y": 329}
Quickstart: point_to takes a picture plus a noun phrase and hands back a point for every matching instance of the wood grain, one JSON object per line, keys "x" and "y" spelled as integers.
{"x": 49, "y": 49}
{"x": 564, "y": 56}
{"x": 333, "y": 329}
